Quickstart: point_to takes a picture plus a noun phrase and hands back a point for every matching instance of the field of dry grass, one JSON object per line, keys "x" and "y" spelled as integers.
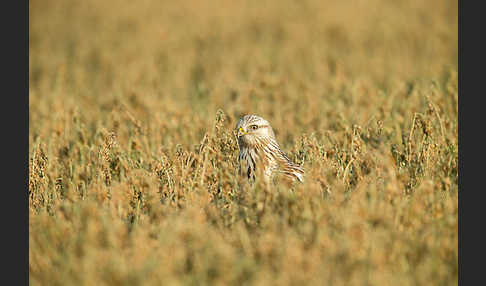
{"x": 132, "y": 158}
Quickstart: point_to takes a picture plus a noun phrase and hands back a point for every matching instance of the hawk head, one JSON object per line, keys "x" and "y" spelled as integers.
{"x": 254, "y": 131}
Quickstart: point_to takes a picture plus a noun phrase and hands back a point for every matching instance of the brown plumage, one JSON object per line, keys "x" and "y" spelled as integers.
{"x": 260, "y": 152}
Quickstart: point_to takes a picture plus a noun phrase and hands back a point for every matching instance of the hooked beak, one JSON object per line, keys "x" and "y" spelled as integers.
{"x": 241, "y": 132}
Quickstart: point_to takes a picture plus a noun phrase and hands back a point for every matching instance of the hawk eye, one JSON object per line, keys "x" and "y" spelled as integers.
{"x": 253, "y": 127}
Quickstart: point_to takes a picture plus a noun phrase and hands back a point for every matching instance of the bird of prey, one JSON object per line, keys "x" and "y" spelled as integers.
{"x": 260, "y": 152}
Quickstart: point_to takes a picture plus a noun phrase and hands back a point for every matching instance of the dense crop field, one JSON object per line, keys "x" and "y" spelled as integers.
{"x": 133, "y": 160}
